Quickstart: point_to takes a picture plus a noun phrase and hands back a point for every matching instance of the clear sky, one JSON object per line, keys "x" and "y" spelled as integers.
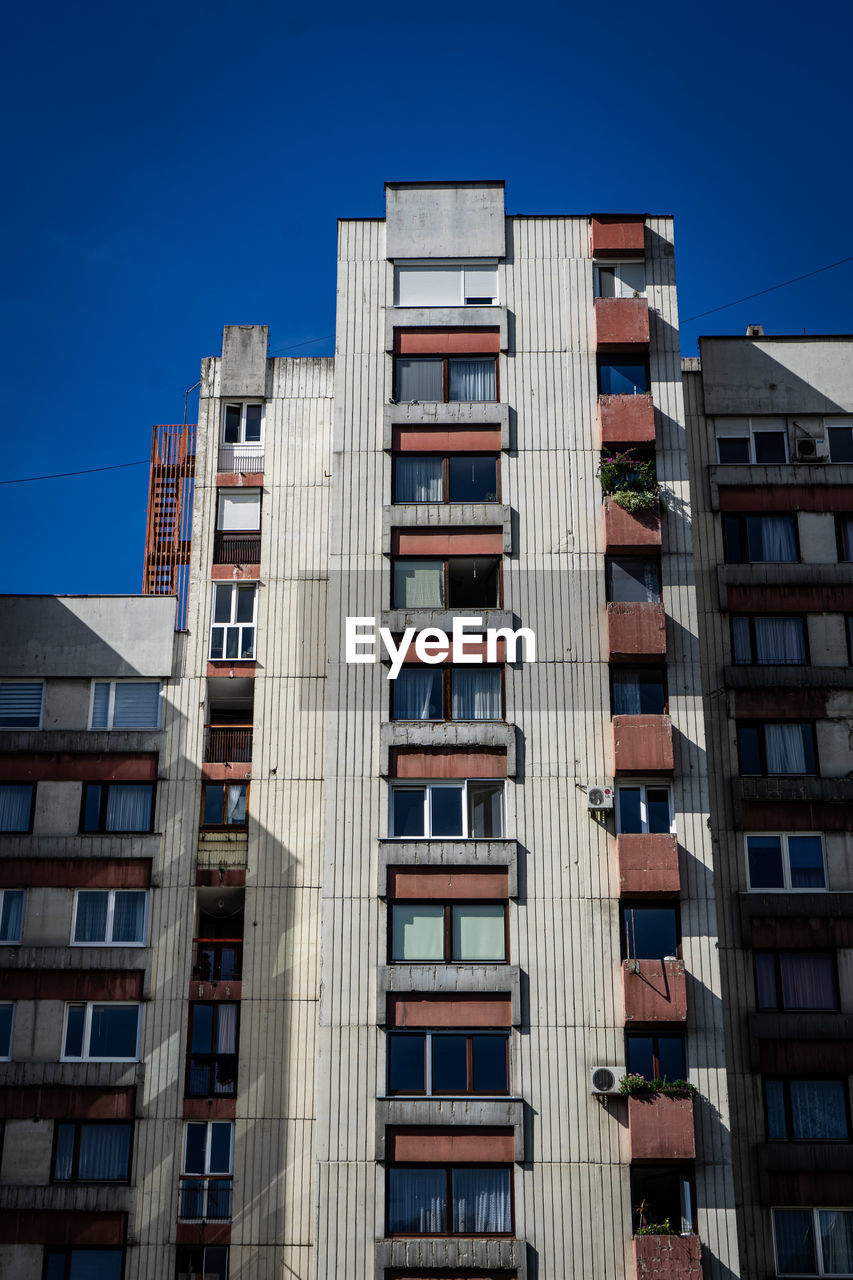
{"x": 171, "y": 168}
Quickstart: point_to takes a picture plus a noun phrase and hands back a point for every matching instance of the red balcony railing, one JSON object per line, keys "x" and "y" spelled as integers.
{"x": 237, "y": 548}
{"x": 217, "y": 959}
{"x": 228, "y": 744}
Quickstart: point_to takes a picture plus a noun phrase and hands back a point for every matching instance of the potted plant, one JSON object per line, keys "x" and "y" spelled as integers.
{"x": 630, "y": 482}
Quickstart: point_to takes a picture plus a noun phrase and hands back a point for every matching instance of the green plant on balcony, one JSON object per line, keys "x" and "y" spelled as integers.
{"x": 635, "y": 1085}
{"x": 664, "y": 1228}
{"x": 631, "y": 482}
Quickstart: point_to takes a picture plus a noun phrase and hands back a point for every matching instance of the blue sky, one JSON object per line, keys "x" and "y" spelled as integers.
{"x": 173, "y": 168}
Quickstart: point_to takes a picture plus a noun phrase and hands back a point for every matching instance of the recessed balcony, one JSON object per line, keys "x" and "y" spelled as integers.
{"x": 635, "y": 630}
{"x": 236, "y": 548}
{"x": 668, "y": 1257}
{"x": 621, "y": 323}
{"x": 654, "y": 991}
{"x": 660, "y": 1127}
{"x": 648, "y": 864}
{"x": 626, "y": 419}
{"x": 228, "y": 744}
{"x": 642, "y": 744}
{"x": 625, "y": 531}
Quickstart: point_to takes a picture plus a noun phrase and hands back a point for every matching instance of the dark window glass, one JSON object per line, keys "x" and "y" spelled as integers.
{"x": 232, "y": 424}
{"x": 407, "y": 811}
{"x": 446, "y": 805}
{"x": 103, "y": 1153}
{"x": 638, "y": 691}
{"x": 195, "y": 1148}
{"x": 770, "y": 447}
{"x": 417, "y": 694}
{"x": 406, "y": 1064}
{"x": 733, "y": 540}
{"x": 471, "y": 378}
{"x": 659, "y": 1195}
{"x": 630, "y": 812}
{"x": 733, "y": 449}
{"x": 214, "y": 800}
{"x": 115, "y": 1030}
{"x": 200, "y": 1262}
{"x": 253, "y": 422}
{"x": 671, "y": 1058}
{"x": 805, "y": 854}
{"x": 795, "y": 1242}
{"x": 649, "y": 933}
{"x": 84, "y": 1264}
{"x": 845, "y": 537}
{"x": 63, "y": 1160}
{"x": 657, "y": 803}
{"x": 771, "y": 539}
{"x": 622, "y": 377}
{"x": 656, "y": 1057}
{"x": 450, "y": 1064}
{"x": 840, "y": 443}
{"x": 472, "y": 583}
{"x": 806, "y": 1110}
{"x": 417, "y": 1201}
{"x": 764, "y": 854}
{"x": 482, "y": 1200}
{"x": 765, "y": 976}
{"x": 796, "y": 980}
{"x": 473, "y": 479}
{"x": 633, "y": 579}
{"x": 489, "y": 1064}
{"x": 74, "y": 1028}
{"x": 202, "y": 1033}
{"x": 92, "y": 808}
{"x": 640, "y": 1054}
{"x": 750, "y": 750}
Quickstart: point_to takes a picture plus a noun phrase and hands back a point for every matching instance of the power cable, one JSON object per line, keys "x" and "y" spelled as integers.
{"x": 59, "y": 475}
{"x": 761, "y": 292}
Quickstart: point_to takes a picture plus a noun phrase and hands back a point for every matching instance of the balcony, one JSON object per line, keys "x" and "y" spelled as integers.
{"x": 635, "y": 630}
{"x": 625, "y": 532}
{"x": 237, "y": 548}
{"x": 660, "y": 1127}
{"x": 626, "y": 419}
{"x": 237, "y": 460}
{"x": 654, "y": 991}
{"x": 211, "y": 1075}
{"x": 228, "y": 744}
{"x": 217, "y": 959}
{"x": 205, "y": 1200}
{"x": 648, "y": 864}
{"x": 667, "y": 1257}
{"x": 621, "y": 323}
{"x": 642, "y": 744}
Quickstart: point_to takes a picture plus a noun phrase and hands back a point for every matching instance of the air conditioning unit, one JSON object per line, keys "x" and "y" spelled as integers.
{"x": 807, "y": 449}
{"x": 599, "y": 797}
{"x": 605, "y": 1079}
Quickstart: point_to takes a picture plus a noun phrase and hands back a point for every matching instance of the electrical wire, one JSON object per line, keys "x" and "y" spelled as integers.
{"x": 60, "y": 475}
{"x": 278, "y": 350}
{"x": 761, "y": 292}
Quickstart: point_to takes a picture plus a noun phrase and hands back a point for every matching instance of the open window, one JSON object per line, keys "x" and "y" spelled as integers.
{"x": 457, "y": 582}
{"x": 623, "y": 375}
{"x": 464, "y": 810}
{"x": 614, "y": 279}
{"x": 662, "y": 1197}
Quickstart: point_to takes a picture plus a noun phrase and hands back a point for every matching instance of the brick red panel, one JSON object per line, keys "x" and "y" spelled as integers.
{"x": 786, "y": 497}
{"x": 626, "y": 419}
{"x": 810, "y": 1188}
{"x": 621, "y": 322}
{"x": 636, "y": 630}
{"x": 617, "y": 235}
{"x": 625, "y": 532}
{"x": 76, "y": 873}
{"x": 50, "y": 1228}
{"x": 794, "y": 704}
{"x": 203, "y": 1233}
{"x": 657, "y": 993}
{"x": 218, "y": 771}
{"x": 795, "y": 815}
{"x": 473, "y": 646}
{"x": 67, "y": 984}
{"x": 444, "y": 762}
{"x": 221, "y": 990}
{"x": 648, "y": 864}
{"x": 642, "y": 744}
{"x": 826, "y": 598}
{"x": 661, "y": 1128}
{"x": 667, "y": 1258}
{"x": 434, "y": 1145}
{"x": 210, "y": 1108}
{"x": 442, "y": 342}
{"x": 236, "y": 480}
{"x": 416, "y": 1009}
{"x": 235, "y": 877}
{"x": 446, "y": 883}
{"x": 61, "y": 1102}
{"x": 229, "y": 573}
{"x": 814, "y": 931}
{"x": 78, "y": 766}
{"x": 447, "y": 542}
{"x": 446, "y": 439}
{"x": 800, "y": 1057}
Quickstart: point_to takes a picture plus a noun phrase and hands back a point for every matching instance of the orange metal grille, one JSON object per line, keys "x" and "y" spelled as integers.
{"x": 170, "y": 513}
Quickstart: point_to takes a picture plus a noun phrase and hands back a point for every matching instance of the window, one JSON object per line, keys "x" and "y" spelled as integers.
{"x": 649, "y": 933}
{"x": 447, "y": 693}
{"x": 643, "y": 809}
{"x": 21, "y": 704}
{"x": 101, "y": 1033}
{"x": 83, "y": 1264}
{"x": 7, "y": 1023}
{"x": 780, "y": 748}
{"x": 451, "y": 932}
{"x": 429, "y": 379}
{"x": 472, "y": 284}
{"x": 785, "y": 861}
{"x": 796, "y": 980}
{"x": 656, "y": 1057}
{"x": 850, "y": 638}
{"x": 839, "y": 434}
{"x": 232, "y": 631}
{"x": 760, "y": 539}
{"x": 224, "y": 805}
{"x": 212, "y": 1057}
{"x": 132, "y": 704}
{"x": 662, "y": 1196}
{"x": 751, "y": 440}
{"x": 117, "y": 806}
{"x": 806, "y": 1110}
{"x": 632, "y": 579}
{"x": 844, "y": 526}
{"x": 455, "y": 478}
{"x": 242, "y": 423}
{"x": 471, "y": 810}
{"x": 207, "y": 1168}
{"x": 429, "y": 1200}
{"x": 109, "y": 917}
{"x": 622, "y": 376}
{"x": 769, "y": 641}
{"x": 813, "y": 1242}
{"x": 238, "y": 510}
{"x": 11, "y": 915}
{"x": 92, "y": 1152}
{"x": 432, "y": 1062}
{"x": 620, "y": 279}
{"x": 17, "y": 805}
{"x": 202, "y": 1262}
{"x": 638, "y": 691}
{"x": 460, "y": 582}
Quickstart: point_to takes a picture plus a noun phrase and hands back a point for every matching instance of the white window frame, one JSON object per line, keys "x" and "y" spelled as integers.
{"x": 815, "y": 1210}
{"x": 607, "y": 263}
{"x": 456, "y": 1031}
{"x": 237, "y": 625}
{"x": 243, "y": 443}
{"x": 90, "y": 1005}
{"x": 110, "y": 918}
{"x": 784, "y": 836}
{"x": 635, "y": 784}
{"x": 411, "y": 784}
{"x": 11, "y": 1004}
{"x": 208, "y": 1172}
{"x": 238, "y": 492}
{"x": 112, "y": 702}
{"x": 753, "y": 428}
{"x": 23, "y": 728}
{"x": 13, "y": 942}
{"x": 422, "y": 264}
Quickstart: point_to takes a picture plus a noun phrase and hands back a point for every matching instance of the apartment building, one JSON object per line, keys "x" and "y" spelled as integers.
{"x": 770, "y": 426}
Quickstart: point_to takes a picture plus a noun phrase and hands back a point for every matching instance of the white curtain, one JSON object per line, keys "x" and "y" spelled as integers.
{"x": 128, "y": 807}
{"x": 91, "y": 922}
{"x": 479, "y": 932}
{"x": 416, "y": 1201}
{"x": 476, "y": 695}
{"x": 417, "y": 932}
{"x": 104, "y": 1150}
{"x": 836, "y": 1241}
{"x": 776, "y": 538}
{"x": 417, "y": 694}
{"x": 417, "y": 480}
{"x": 472, "y": 379}
{"x": 418, "y": 584}
{"x": 482, "y": 1201}
{"x": 786, "y": 749}
{"x": 129, "y": 916}
{"x": 779, "y": 640}
{"x": 236, "y": 806}
{"x": 226, "y": 1029}
{"x": 15, "y": 805}
{"x": 818, "y": 1112}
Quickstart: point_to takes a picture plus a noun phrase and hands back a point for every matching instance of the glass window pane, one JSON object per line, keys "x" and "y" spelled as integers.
{"x": 217, "y": 642}
{"x": 407, "y": 811}
{"x": 770, "y": 447}
{"x": 214, "y": 797}
{"x": 418, "y": 584}
{"x": 195, "y": 1148}
{"x": 748, "y": 746}
{"x": 735, "y": 550}
{"x": 672, "y": 1060}
{"x": 650, "y": 932}
{"x": 633, "y": 579}
{"x": 622, "y": 377}
{"x": 789, "y": 748}
{"x": 91, "y": 922}
{"x": 12, "y": 915}
{"x": 96, "y": 1264}
{"x": 818, "y": 1110}
{"x": 632, "y": 277}
{"x": 418, "y": 379}
{"x": 104, "y": 1152}
{"x": 91, "y": 807}
{"x": 445, "y": 811}
{"x": 128, "y": 807}
{"x": 485, "y": 810}
{"x": 741, "y": 641}
{"x": 406, "y": 1064}
{"x": 74, "y": 1025}
{"x": 475, "y": 694}
{"x": 472, "y": 583}
{"x": 416, "y": 1201}
{"x": 235, "y": 798}
{"x": 245, "y": 604}
{"x": 129, "y": 916}
{"x": 808, "y": 980}
{"x": 417, "y": 694}
{"x": 489, "y": 1064}
{"x": 479, "y": 932}
{"x": 606, "y": 277}
{"x": 115, "y": 1031}
{"x": 471, "y": 379}
{"x": 473, "y": 479}
{"x": 450, "y": 1064}
{"x": 640, "y": 1056}
{"x": 840, "y": 443}
{"x": 774, "y": 1096}
{"x": 202, "y": 1028}
{"x": 630, "y": 812}
{"x": 780, "y": 640}
{"x": 482, "y": 1200}
{"x": 836, "y": 1240}
{"x": 638, "y": 691}
{"x": 137, "y": 705}
{"x": 417, "y": 479}
{"x": 247, "y": 642}
{"x": 221, "y": 1133}
{"x": 764, "y": 860}
{"x": 223, "y": 594}
{"x": 101, "y": 705}
{"x": 771, "y": 539}
{"x": 765, "y": 973}
{"x": 63, "y": 1164}
{"x": 733, "y": 450}
{"x": 231, "y": 433}
{"x": 253, "y": 422}
{"x": 805, "y": 854}
{"x": 658, "y": 814}
{"x": 417, "y": 932}
{"x": 7, "y": 1013}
